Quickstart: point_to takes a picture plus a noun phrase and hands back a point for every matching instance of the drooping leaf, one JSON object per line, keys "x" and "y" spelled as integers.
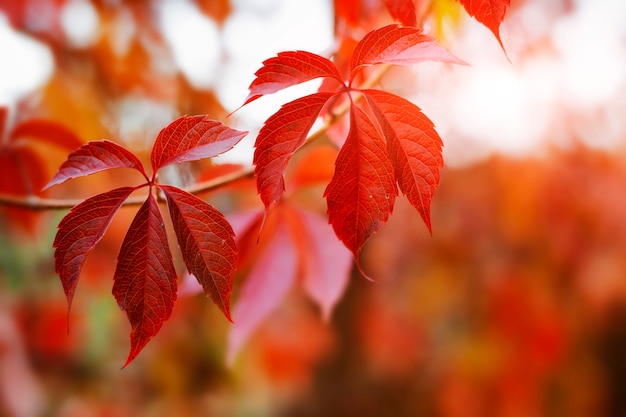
{"x": 145, "y": 278}
{"x": 46, "y": 131}
{"x": 362, "y": 191}
{"x": 79, "y": 231}
{"x": 488, "y": 12}
{"x": 96, "y": 156}
{"x": 287, "y": 69}
{"x": 206, "y": 242}
{"x": 267, "y": 283}
{"x": 327, "y": 263}
{"x": 413, "y": 145}
{"x": 24, "y": 173}
{"x": 190, "y": 138}
{"x": 281, "y": 135}
{"x": 26, "y": 164}
{"x": 394, "y": 44}
{"x": 402, "y": 11}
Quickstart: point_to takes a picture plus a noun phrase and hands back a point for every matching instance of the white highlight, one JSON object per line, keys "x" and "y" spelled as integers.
{"x": 255, "y": 31}
{"x": 193, "y": 39}
{"x": 566, "y": 82}
{"x": 26, "y": 63}
{"x": 80, "y": 23}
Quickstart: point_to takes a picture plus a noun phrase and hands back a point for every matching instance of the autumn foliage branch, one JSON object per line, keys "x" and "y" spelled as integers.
{"x": 391, "y": 147}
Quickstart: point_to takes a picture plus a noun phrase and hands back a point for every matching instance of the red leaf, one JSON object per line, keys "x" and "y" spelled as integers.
{"x": 96, "y": 156}
{"x": 488, "y": 12}
{"x": 287, "y": 69}
{"x": 413, "y": 145}
{"x": 402, "y": 10}
{"x": 363, "y": 189}
{"x": 78, "y": 233}
{"x": 269, "y": 280}
{"x": 207, "y": 244}
{"x": 394, "y": 44}
{"x": 327, "y": 263}
{"x": 145, "y": 278}
{"x": 190, "y": 138}
{"x": 281, "y": 135}
{"x": 46, "y": 131}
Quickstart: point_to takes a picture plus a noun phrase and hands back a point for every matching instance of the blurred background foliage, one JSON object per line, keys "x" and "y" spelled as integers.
{"x": 515, "y": 306}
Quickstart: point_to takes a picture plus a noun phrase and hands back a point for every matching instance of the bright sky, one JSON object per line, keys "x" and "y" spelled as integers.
{"x": 577, "y": 86}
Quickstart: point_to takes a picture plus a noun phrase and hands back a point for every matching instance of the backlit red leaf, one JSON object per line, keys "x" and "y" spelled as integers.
{"x": 402, "y": 10}
{"x": 327, "y": 263}
{"x": 488, "y": 12}
{"x": 96, "y": 156}
{"x": 207, "y": 244}
{"x": 413, "y": 145}
{"x": 394, "y": 44}
{"x": 287, "y": 69}
{"x": 191, "y": 138}
{"x": 267, "y": 283}
{"x": 281, "y": 135}
{"x": 79, "y": 231}
{"x": 363, "y": 189}
{"x": 145, "y": 278}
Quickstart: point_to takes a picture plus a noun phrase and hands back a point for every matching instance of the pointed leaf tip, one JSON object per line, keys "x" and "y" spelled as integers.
{"x": 93, "y": 157}
{"x": 145, "y": 278}
{"x": 488, "y": 12}
{"x": 398, "y": 45}
{"x": 288, "y": 69}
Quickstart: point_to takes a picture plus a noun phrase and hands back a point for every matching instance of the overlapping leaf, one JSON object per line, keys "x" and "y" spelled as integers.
{"x": 206, "y": 242}
{"x": 296, "y": 243}
{"x": 363, "y": 189}
{"x": 145, "y": 278}
{"x": 282, "y": 134}
{"x": 413, "y": 146}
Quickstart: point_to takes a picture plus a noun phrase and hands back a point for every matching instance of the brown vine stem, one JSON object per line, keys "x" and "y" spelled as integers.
{"x": 36, "y": 203}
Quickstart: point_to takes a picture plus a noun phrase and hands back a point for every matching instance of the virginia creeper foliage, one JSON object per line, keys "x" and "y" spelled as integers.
{"x": 390, "y": 143}
{"x": 145, "y": 278}
{"x": 390, "y": 147}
